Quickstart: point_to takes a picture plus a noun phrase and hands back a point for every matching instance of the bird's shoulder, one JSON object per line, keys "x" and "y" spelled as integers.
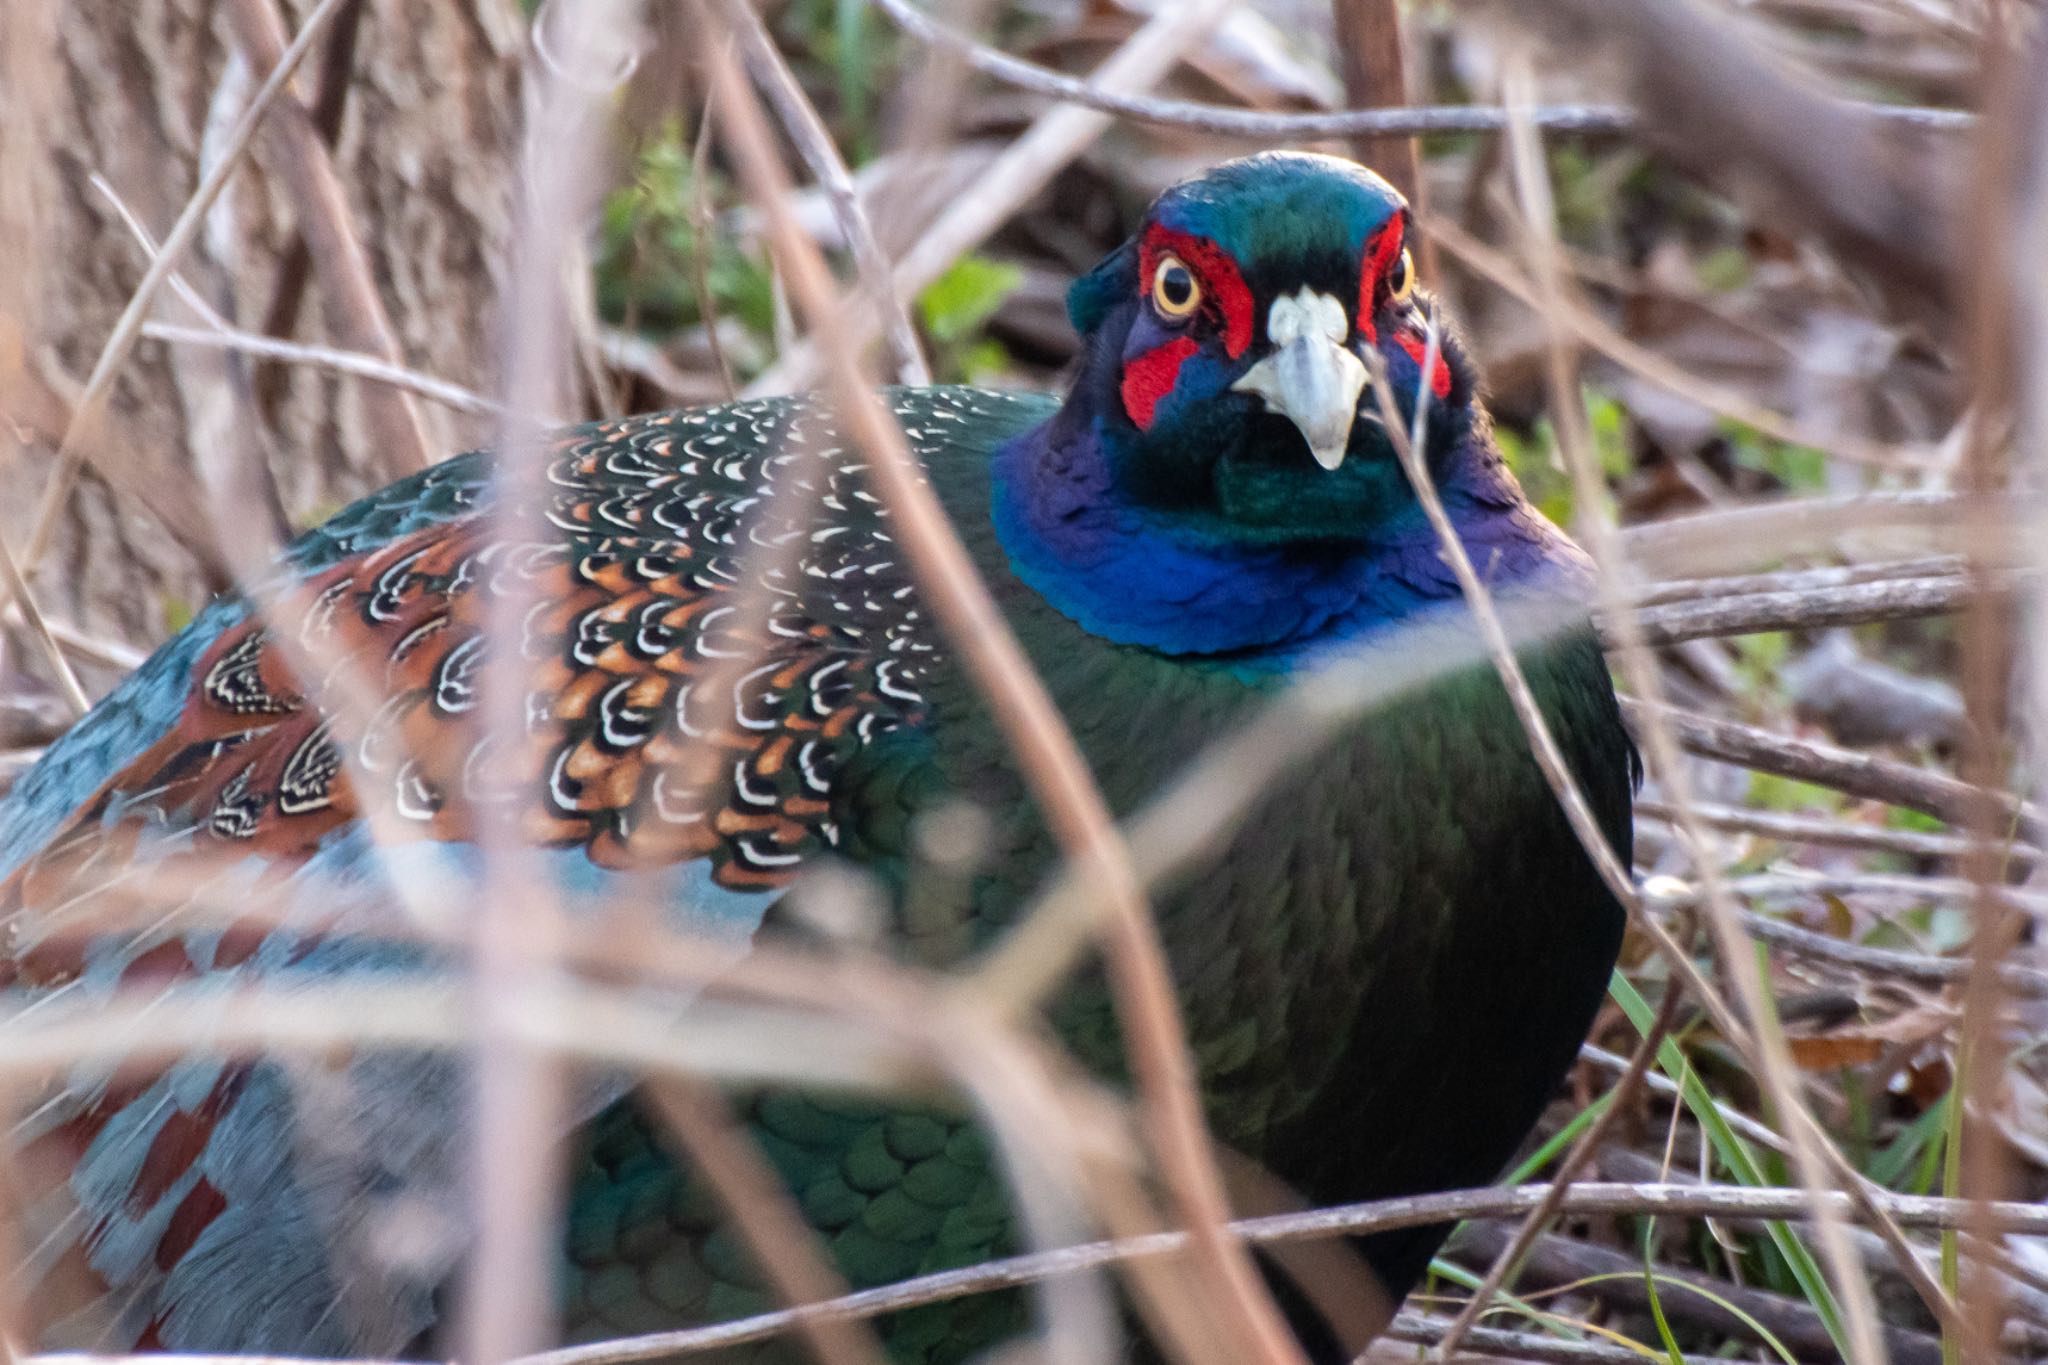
{"x": 672, "y": 548}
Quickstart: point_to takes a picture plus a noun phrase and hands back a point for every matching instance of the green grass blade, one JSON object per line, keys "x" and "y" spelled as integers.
{"x": 1740, "y": 1159}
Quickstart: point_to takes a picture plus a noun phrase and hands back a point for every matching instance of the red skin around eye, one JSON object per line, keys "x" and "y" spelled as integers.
{"x": 1224, "y": 287}
{"x": 1151, "y": 377}
{"x": 1380, "y": 254}
{"x": 1439, "y": 375}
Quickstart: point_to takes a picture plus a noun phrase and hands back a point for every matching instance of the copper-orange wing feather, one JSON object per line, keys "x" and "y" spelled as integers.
{"x": 720, "y": 624}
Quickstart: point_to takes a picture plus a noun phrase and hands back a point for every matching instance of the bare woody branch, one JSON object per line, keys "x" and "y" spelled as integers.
{"x": 81, "y": 436}
{"x": 1053, "y": 767}
{"x": 1226, "y": 121}
{"x": 341, "y": 263}
{"x": 1827, "y": 765}
{"x": 1715, "y": 103}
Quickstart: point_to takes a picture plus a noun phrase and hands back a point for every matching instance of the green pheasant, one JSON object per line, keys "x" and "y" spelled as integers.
{"x": 1384, "y": 971}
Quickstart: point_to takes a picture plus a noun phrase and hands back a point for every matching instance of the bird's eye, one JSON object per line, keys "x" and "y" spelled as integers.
{"x": 1401, "y": 283}
{"x": 1174, "y": 290}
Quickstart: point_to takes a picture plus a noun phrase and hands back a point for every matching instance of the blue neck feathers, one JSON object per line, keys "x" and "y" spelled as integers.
{"x": 1160, "y": 581}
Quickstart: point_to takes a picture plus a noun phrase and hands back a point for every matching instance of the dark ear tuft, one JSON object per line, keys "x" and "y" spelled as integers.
{"x": 1090, "y": 298}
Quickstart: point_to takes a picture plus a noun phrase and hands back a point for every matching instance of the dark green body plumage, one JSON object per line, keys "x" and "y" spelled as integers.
{"x": 1381, "y": 975}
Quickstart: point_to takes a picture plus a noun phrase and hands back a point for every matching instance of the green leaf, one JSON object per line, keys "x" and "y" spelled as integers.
{"x": 1723, "y": 270}
{"x": 1907, "y": 1151}
{"x": 1952, "y": 1186}
{"x": 177, "y": 614}
{"x": 1609, "y": 425}
{"x": 1795, "y": 466}
{"x": 966, "y": 296}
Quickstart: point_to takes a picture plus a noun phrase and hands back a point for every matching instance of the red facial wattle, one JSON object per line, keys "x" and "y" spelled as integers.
{"x": 1226, "y": 303}
{"x": 1151, "y": 376}
{"x": 1382, "y": 253}
{"x": 1418, "y": 351}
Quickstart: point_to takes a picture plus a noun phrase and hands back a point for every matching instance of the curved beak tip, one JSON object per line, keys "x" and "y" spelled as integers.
{"x": 1311, "y": 378}
{"x": 1314, "y": 383}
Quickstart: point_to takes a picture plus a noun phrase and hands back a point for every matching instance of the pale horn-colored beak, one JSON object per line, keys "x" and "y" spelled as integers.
{"x": 1311, "y": 378}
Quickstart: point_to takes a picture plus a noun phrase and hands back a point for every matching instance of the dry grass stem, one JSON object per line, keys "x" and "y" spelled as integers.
{"x": 1021, "y": 170}
{"x": 341, "y": 264}
{"x": 355, "y": 364}
{"x": 1983, "y": 1047}
{"x": 1578, "y": 1159}
{"x": 1052, "y": 765}
{"x": 768, "y": 1222}
{"x": 23, "y": 601}
{"x": 1500, "y": 650}
{"x": 1814, "y": 1158}
{"x": 1738, "y": 539}
{"x": 582, "y": 52}
{"x": 813, "y": 142}
{"x": 1225, "y": 121}
{"x": 83, "y": 431}
{"x": 1602, "y": 336}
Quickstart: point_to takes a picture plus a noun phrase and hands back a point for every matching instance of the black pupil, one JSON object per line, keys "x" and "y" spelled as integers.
{"x": 1176, "y": 286}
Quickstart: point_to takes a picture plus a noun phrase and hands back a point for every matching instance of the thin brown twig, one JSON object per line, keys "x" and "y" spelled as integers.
{"x": 1587, "y": 119}
{"x": 25, "y": 602}
{"x": 1791, "y": 827}
{"x": 1810, "y": 609}
{"x": 759, "y": 1206}
{"x": 355, "y": 364}
{"x": 1408, "y": 445}
{"x": 1020, "y": 171}
{"x": 1814, "y": 1156}
{"x": 813, "y": 142}
{"x": 1052, "y": 765}
{"x": 1826, "y": 765}
{"x": 1814, "y": 580}
{"x": 1587, "y": 1198}
{"x": 1766, "y": 1046}
{"x": 1922, "y": 968}
{"x": 87, "y": 647}
{"x": 330, "y": 102}
{"x": 701, "y": 240}
{"x": 82, "y": 431}
{"x": 1500, "y": 649}
{"x": 341, "y": 263}
{"x": 1754, "y": 1130}
{"x": 1731, "y": 1309}
{"x": 1602, "y": 336}
{"x": 144, "y": 238}
{"x": 1584, "y": 1199}
{"x": 1995, "y": 261}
